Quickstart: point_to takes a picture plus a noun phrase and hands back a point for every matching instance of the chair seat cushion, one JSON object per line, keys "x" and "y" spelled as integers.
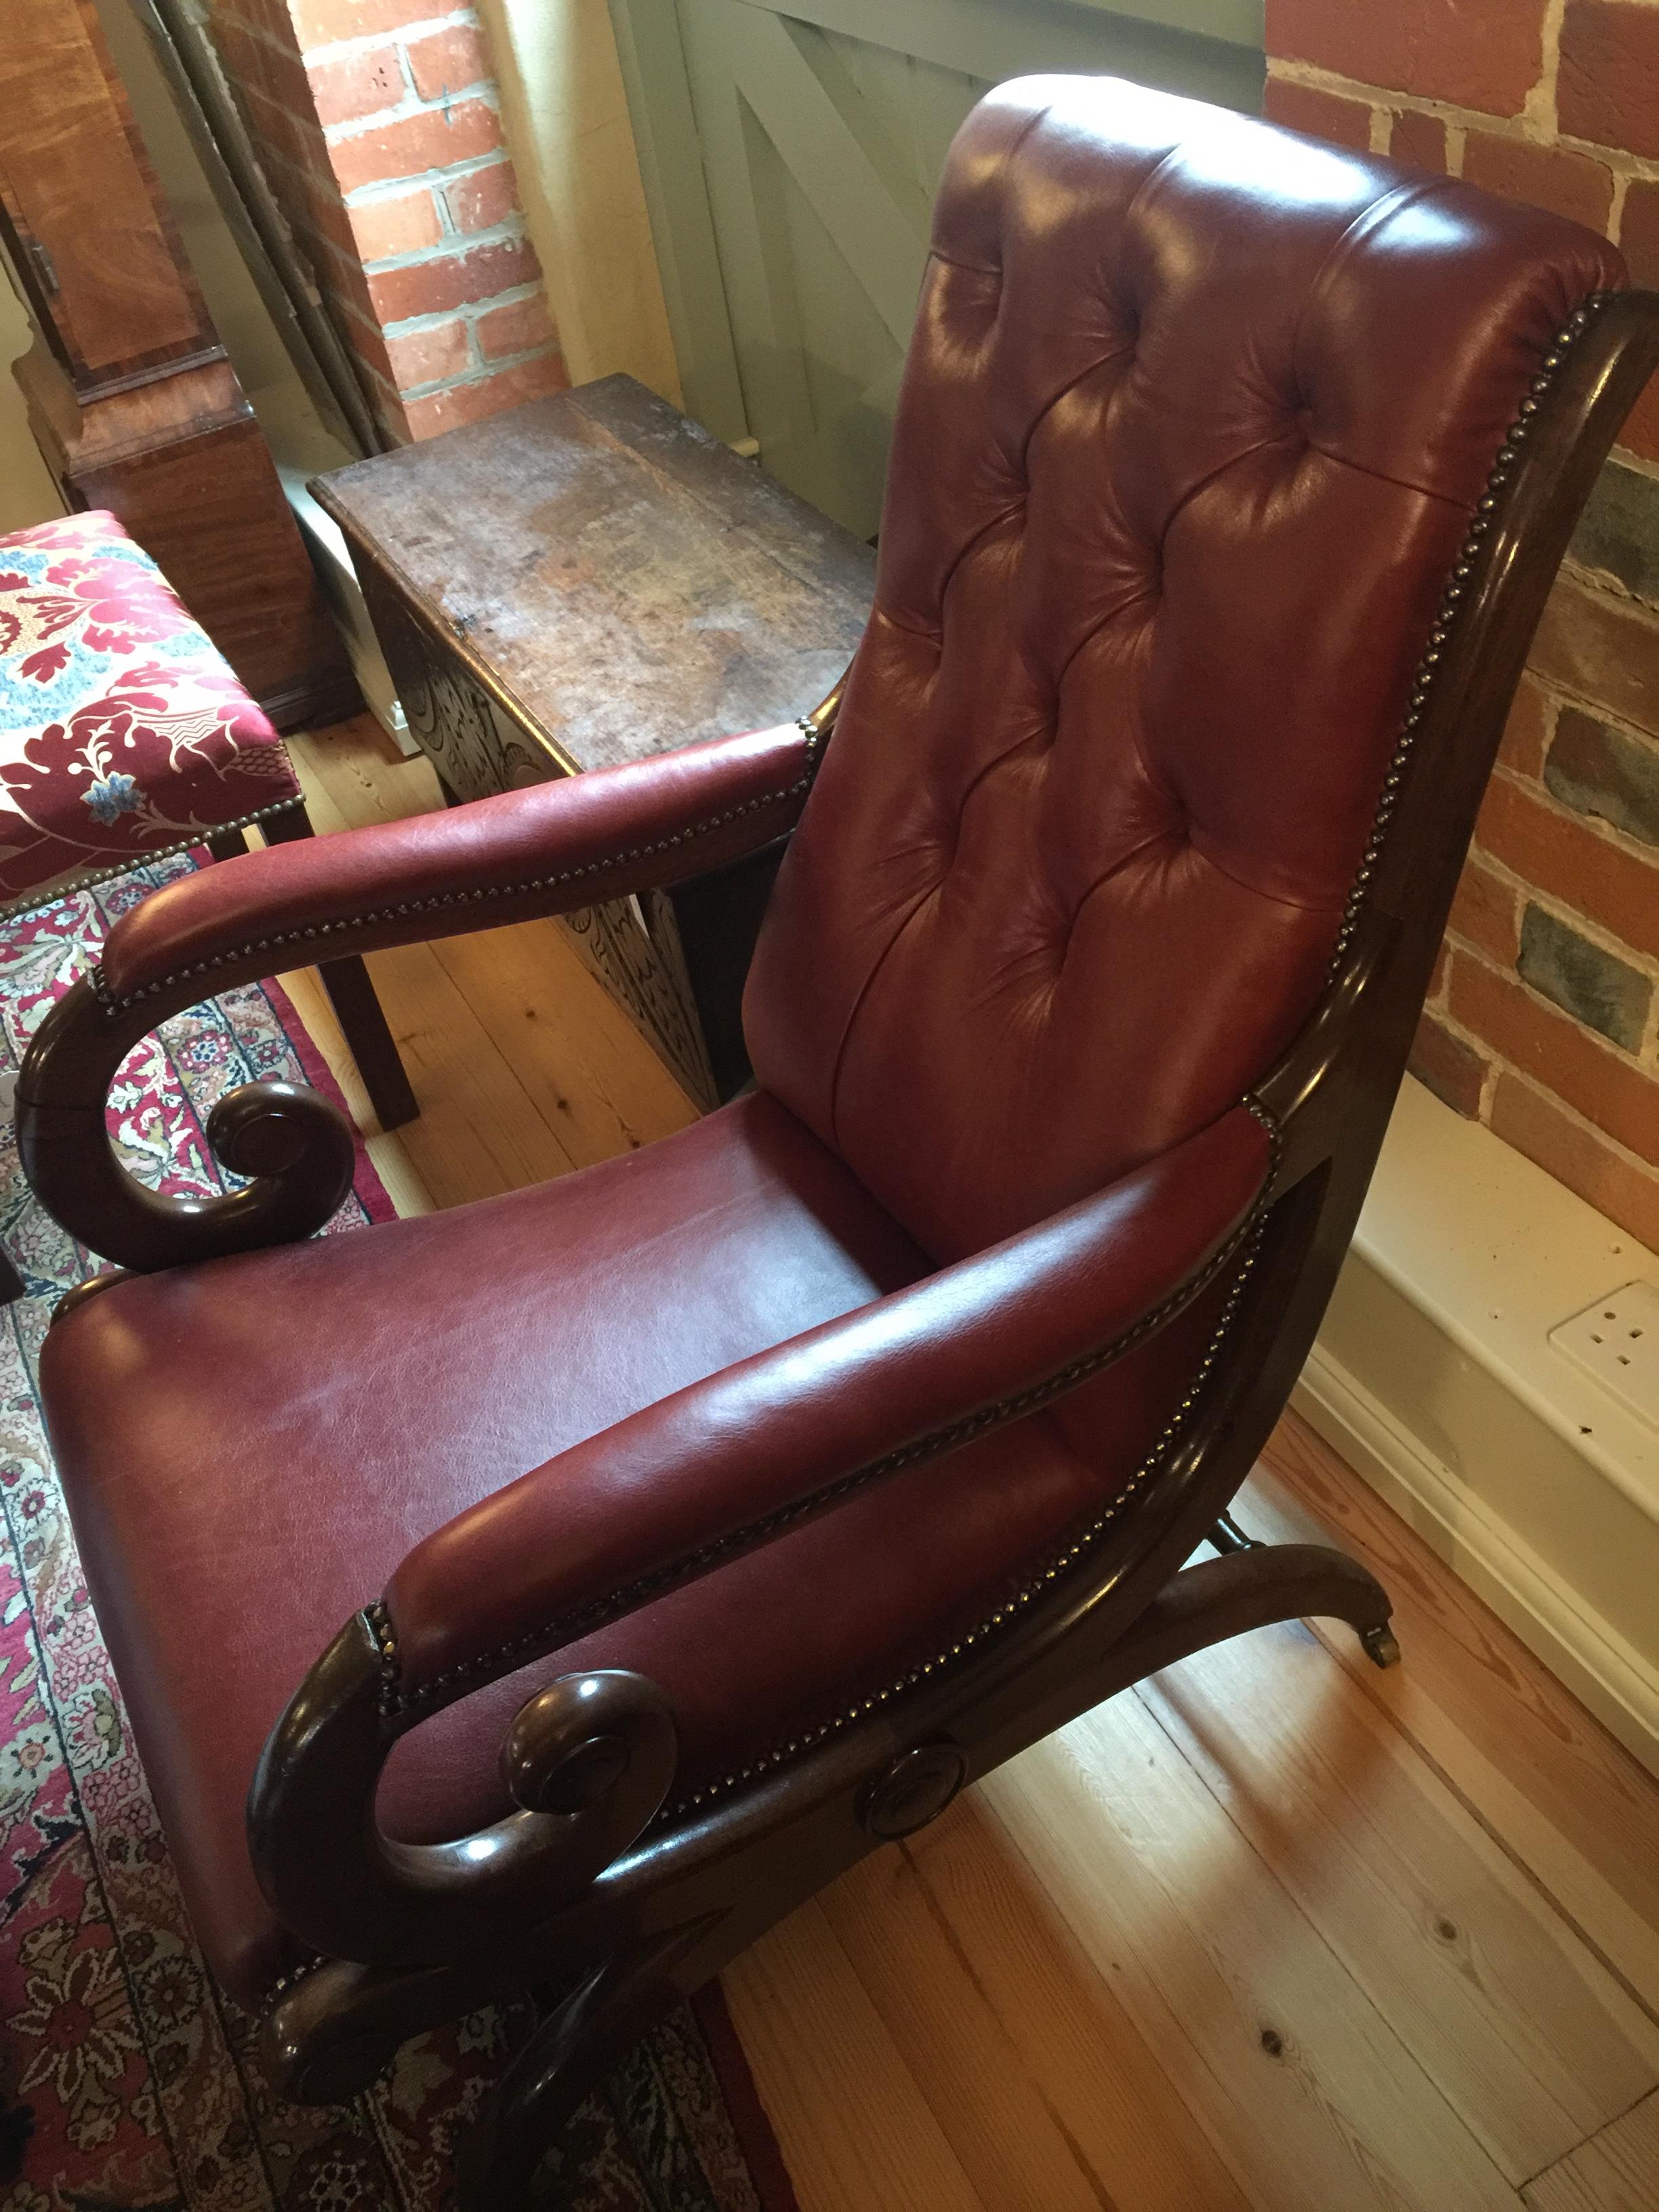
{"x": 248, "y": 1449}
{"x": 123, "y": 732}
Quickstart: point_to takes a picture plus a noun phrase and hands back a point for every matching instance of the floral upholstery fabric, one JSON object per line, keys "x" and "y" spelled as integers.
{"x": 123, "y": 734}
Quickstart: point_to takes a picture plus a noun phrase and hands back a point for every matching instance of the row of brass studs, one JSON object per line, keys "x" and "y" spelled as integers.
{"x": 282, "y": 939}
{"x": 1479, "y": 528}
{"x": 37, "y": 901}
{"x": 1022, "y": 1597}
{"x": 582, "y": 1620}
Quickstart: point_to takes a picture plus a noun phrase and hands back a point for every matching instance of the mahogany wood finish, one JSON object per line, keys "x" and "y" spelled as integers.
{"x": 581, "y": 1886}
{"x": 131, "y": 399}
{"x": 296, "y": 1147}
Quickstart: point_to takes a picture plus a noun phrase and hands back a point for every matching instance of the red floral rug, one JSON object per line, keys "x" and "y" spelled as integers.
{"x": 125, "y": 2078}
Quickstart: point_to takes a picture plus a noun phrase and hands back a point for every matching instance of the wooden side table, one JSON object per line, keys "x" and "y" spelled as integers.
{"x": 594, "y": 579}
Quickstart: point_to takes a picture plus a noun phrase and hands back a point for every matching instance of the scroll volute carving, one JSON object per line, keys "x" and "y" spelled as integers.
{"x": 294, "y": 1146}
{"x": 588, "y": 1760}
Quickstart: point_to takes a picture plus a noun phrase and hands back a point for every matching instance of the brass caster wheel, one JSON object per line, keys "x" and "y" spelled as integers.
{"x": 1381, "y": 1646}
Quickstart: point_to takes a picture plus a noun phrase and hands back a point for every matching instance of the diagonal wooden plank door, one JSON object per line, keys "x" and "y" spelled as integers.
{"x": 791, "y": 155}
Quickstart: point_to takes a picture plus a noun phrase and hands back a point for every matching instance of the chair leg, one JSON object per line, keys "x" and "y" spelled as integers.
{"x": 573, "y": 2050}
{"x": 12, "y": 1286}
{"x": 1228, "y": 1536}
{"x": 226, "y": 844}
{"x": 1250, "y": 1586}
{"x": 352, "y": 996}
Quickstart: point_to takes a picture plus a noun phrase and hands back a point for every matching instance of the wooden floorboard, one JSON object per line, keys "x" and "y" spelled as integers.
{"x": 1277, "y": 1931}
{"x": 1617, "y": 2172}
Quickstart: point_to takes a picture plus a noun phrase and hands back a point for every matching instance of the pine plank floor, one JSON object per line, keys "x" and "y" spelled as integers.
{"x": 1275, "y": 1931}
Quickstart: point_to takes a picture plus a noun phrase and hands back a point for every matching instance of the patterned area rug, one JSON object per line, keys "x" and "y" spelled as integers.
{"x": 125, "y": 2078}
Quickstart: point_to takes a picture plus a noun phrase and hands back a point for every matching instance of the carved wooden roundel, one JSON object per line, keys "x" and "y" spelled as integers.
{"x": 915, "y": 1789}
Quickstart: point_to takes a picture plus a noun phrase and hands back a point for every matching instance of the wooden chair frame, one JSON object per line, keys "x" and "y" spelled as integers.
{"x": 591, "y": 1889}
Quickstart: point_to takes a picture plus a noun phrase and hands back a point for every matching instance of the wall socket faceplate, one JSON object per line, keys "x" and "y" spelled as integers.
{"x": 1616, "y": 1340}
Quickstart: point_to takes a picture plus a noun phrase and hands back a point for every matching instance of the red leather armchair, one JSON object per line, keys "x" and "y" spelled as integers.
{"x": 731, "y": 1504}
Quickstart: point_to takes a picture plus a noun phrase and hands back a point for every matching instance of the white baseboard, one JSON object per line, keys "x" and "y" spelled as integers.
{"x": 1579, "y": 1648}
{"x": 1434, "y": 1379}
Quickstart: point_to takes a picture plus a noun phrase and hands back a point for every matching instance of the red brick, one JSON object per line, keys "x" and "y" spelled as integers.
{"x": 1486, "y": 912}
{"x": 1639, "y": 230}
{"x": 1563, "y": 856}
{"x": 259, "y": 64}
{"x": 1419, "y": 139}
{"x": 451, "y": 280}
{"x": 300, "y": 143}
{"x": 348, "y": 86}
{"x": 323, "y": 230}
{"x": 1452, "y": 1068}
{"x": 1546, "y": 176}
{"x": 519, "y": 327}
{"x": 327, "y": 217}
{"x": 1526, "y": 731}
{"x": 485, "y": 395}
{"x": 1478, "y": 53}
{"x": 1580, "y": 1158}
{"x": 320, "y": 22}
{"x": 483, "y": 198}
{"x": 364, "y": 338}
{"x": 288, "y": 187}
{"x": 448, "y": 60}
{"x": 1321, "y": 114}
{"x": 269, "y": 16}
{"x": 388, "y": 406}
{"x": 1608, "y": 87}
{"x": 1602, "y": 649}
{"x": 432, "y": 139}
{"x": 1603, "y": 1083}
{"x": 428, "y": 355}
{"x": 340, "y": 275}
{"x": 404, "y": 223}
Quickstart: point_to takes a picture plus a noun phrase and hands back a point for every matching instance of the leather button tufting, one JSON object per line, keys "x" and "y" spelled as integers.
{"x": 1191, "y": 510}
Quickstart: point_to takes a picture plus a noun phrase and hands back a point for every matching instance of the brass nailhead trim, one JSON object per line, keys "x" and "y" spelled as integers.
{"x": 27, "y": 903}
{"x": 394, "y": 1700}
{"x": 1028, "y": 1592}
{"x": 283, "y": 938}
{"x": 1456, "y": 587}
{"x": 596, "y": 1613}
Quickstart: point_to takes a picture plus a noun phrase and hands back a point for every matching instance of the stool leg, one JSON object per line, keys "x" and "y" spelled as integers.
{"x": 374, "y": 1047}
{"x": 352, "y": 997}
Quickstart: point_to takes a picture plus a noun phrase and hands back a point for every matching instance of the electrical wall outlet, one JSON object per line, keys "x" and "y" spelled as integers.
{"x": 1616, "y": 1340}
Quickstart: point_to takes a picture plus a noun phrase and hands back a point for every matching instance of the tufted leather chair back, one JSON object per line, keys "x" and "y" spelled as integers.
{"x": 1195, "y": 419}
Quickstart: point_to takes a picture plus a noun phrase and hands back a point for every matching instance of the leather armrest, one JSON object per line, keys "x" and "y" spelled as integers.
{"x": 674, "y": 1490}
{"x": 544, "y": 850}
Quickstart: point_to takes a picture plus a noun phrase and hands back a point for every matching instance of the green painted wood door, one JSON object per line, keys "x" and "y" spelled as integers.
{"x": 790, "y": 155}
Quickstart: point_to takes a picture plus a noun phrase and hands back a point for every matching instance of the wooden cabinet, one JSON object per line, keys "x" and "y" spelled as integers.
{"x": 132, "y": 397}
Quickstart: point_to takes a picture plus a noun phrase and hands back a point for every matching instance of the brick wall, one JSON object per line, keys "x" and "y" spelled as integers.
{"x": 380, "y": 127}
{"x": 1544, "y": 1019}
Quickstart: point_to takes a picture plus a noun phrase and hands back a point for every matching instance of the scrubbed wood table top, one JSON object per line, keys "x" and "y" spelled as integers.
{"x": 621, "y": 578}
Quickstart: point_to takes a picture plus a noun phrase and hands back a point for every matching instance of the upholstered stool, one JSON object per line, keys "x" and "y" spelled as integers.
{"x": 125, "y": 738}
